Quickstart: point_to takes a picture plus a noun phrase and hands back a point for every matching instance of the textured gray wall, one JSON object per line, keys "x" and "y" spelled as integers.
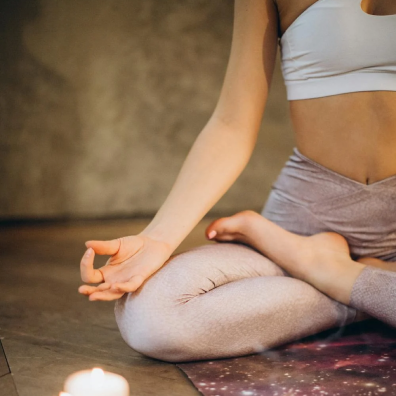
{"x": 100, "y": 101}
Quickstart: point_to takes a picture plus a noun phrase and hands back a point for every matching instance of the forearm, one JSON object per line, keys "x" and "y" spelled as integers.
{"x": 215, "y": 161}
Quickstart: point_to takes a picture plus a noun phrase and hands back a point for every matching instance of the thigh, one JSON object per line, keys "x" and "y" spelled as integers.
{"x": 222, "y": 300}
{"x": 201, "y": 269}
{"x": 184, "y": 278}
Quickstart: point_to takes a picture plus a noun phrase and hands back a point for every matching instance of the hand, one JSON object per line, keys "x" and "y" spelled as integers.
{"x": 133, "y": 259}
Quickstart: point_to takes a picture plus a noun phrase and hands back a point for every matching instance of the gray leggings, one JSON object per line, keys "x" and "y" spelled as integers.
{"x": 226, "y": 299}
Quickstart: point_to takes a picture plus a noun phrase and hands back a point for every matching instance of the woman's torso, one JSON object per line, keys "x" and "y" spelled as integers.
{"x": 354, "y": 133}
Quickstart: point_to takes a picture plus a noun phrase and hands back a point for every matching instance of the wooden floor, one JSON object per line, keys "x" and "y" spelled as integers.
{"x": 48, "y": 330}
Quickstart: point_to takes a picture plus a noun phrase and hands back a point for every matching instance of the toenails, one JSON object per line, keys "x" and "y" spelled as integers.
{"x": 212, "y": 234}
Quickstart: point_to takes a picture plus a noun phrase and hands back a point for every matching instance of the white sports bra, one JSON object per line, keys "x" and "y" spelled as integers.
{"x": 335, "y": 47}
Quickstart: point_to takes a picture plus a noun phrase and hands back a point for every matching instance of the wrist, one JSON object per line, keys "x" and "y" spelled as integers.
{"x": 169, "y": 242}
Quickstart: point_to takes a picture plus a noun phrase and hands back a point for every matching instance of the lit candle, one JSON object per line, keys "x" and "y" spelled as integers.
{"x": 96, "y": 382}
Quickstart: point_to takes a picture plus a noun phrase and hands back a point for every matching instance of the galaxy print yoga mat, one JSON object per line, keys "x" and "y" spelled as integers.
{"x": 359, "y": 359}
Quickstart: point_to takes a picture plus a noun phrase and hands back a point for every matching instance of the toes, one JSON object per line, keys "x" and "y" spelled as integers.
{"x": 219, "y": 231}
{"x": 212, "y": 230}
{"x": 232, "y": 227}
{"x": 211, "y": 234}
{"x": 221, "y": 227}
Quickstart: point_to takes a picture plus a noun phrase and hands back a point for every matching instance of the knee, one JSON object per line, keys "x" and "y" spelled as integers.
{"x": 150, "y": 330}
{"x": 156, "y": 319}
{"x": 151, "y": 319}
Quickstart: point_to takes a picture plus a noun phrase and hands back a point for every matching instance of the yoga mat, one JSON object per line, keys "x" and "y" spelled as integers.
{"x": 358, "y": 359}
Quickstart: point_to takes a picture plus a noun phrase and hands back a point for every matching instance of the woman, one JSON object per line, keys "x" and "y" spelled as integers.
{"x": 323, "y": 252}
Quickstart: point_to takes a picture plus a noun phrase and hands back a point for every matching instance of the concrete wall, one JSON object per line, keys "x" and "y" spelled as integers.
{"x": 100, "y": 101}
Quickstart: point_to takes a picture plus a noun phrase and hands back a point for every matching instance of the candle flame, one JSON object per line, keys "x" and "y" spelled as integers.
{"x": 97, "y": 373}
{"x": 97, "y": 377}
{"x": 64, "y": 394}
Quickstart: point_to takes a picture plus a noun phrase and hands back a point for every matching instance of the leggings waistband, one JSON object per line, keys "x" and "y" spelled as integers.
{"x": 308, "y": 198}
{"x": 391, "y": 180}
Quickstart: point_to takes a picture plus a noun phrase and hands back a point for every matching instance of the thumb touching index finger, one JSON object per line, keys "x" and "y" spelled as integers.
{"x": 88, "y": 273}
{"x": 105, "y": 247}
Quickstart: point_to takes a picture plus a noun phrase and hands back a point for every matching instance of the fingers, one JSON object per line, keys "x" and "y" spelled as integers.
{"x": 87, "y": 290}
{"x": 105, "y": 247}
{"x": 128, "y": 287}
{"x": 107, "y": 295}
{"x": 101, "y": 292}
{"x": 108, "y": 292}
{"x": 88, "y": 273}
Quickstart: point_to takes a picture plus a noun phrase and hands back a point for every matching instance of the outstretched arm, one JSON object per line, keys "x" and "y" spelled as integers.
{"x": 217, "y": 157}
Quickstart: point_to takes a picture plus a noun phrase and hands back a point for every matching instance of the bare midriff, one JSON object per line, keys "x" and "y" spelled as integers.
{"x": 353, "y": 133}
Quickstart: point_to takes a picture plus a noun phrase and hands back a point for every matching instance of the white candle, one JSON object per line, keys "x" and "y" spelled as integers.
{"x": 96, "y": 382}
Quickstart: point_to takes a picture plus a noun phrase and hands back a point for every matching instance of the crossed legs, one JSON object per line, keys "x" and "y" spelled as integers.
{"x": 223, "y": 300}
{"x": 322, "y": 260}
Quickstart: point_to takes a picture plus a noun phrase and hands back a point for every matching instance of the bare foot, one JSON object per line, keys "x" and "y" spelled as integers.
{"x": 322, "y": 260}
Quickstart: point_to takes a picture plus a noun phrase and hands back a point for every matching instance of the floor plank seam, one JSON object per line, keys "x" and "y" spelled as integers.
{"x": 4, "y": 358}
{"x": 6, "y": 378}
